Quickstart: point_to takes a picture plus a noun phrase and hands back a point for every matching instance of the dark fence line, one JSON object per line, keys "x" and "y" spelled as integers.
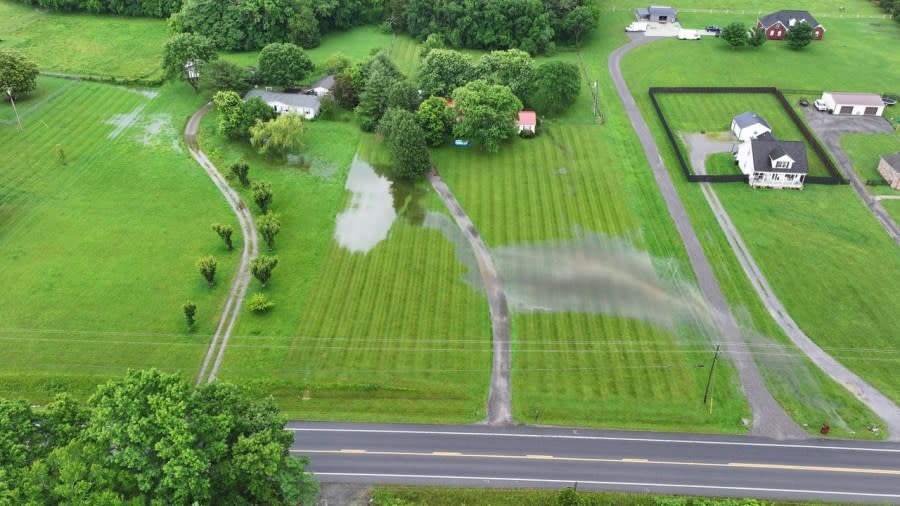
{"x": 834, "y": 175}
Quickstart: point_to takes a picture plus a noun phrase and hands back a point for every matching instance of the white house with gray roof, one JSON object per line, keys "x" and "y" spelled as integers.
{"x": 305, "y": 105}
{"x": 748, "y": 125}
{"x": 770, "y": 163}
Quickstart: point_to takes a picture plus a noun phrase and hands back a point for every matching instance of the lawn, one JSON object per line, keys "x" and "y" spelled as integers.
{"x": 721, "y": 164}
{"x": 828, "y": 269}
{"x": 865, "y": 151}
{"x": 713, "y": 112}
{"x": 84, "y": 44}
{"x": 98, "y": 254}
{"x": 390, "y": 334}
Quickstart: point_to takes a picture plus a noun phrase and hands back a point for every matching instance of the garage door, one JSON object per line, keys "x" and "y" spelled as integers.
{"x": 846, "y": 109}
{"x": 871, "y": 111}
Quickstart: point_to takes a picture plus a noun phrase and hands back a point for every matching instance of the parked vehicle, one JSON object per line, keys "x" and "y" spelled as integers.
{"x": 716, "y": 29}
{"x": 688, "y": 35}
{"x": 637, "y": 26}
{"x": 803, "y": 102}
{"x": 890, "y": 99}
{"x": 820, "y": 105}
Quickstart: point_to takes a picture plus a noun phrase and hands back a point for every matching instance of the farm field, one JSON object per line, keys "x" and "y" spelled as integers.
{"x": 820, "y": 287}
{"x": 391, "y": 334}
{"x": 98, "y": 254}
{"x": 713, "y": 112}
{"x": 84, "y": 44}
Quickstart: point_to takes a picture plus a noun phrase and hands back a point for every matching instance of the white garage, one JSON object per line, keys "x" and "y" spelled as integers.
{"x": 854, "y": 104}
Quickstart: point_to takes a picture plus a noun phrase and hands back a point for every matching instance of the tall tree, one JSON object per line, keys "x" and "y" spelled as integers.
{"x": 237, "y": 116}
{"x": 436, "y": 120}
{"x": 152, "y": 439}
{"x": 373, "y": 100}
{"x": 187, "y": 47}
{"x": 443, "y": 71}
{"x": 403, "y": 95}
{"x": 555, "y": 87}
{"x": 512, "y": 68}
{"x": 17, "y": 73}
{"x": 283, "y": 64}
{"x": 735, "y": 34}
{"x": 799, "y": 35}
{"x": 280, "y": 136}
{"x": 487, "y": 114}
{"x": 578, "y": 23}
{"x": 221, "y": 75}
{"x": 406, "y": 140}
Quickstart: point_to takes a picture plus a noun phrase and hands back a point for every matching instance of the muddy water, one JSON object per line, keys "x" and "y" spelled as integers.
{"x": 368, "y": 217}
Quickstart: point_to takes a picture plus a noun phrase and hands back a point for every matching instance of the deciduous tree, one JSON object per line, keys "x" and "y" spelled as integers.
{"x": 443, "y": 71}
{"x": 241, "y": 170}
{"x": 799, "y": 35}
{"x": 435, "y": 119}
{"x": 17, "y": 73}
{"x": 406, "y": 140}
{"x": 190, "y": 309}
{"x": 403, "y": 95}
{"x": 488, "y": 114}
{"x": 262, "y": 195}
{"x": 735, "y": 34}
{"x": 268, "y": 226}
{"x": 224, "y": 232}
{"x": 555, "y": 87}
{"x": 207, "y": 266}
{"x": 187, "y": 47}
{"x": 221, "y": 75}
{"x": 283, "y": 64}
{"x": 756, "y": 37}
{"x": 513, "y": 68}
{"x": 262, "y": 267}
{"x": 237, "y": 116}
{"x": 279, "y": 136}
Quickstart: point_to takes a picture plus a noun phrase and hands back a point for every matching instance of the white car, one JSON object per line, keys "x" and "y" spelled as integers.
{"x": 688, "y": 35}
{"x": 636, "y": 26}
{"x": 820, "y": 105}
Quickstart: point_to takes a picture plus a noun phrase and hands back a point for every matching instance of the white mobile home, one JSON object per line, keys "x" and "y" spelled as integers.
{"x": 305, "y": 105}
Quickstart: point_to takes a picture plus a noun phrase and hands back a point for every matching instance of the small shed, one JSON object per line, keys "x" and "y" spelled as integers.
{"x": 658, "y": 13}
{"x": 305, "y": 105}
{"x": 889, "y": 168}
{"x": 854, "y": 104}
{"x": 527, "y": 121}
{"x": 748, "y": 125}
{"x": 323, "y": 86}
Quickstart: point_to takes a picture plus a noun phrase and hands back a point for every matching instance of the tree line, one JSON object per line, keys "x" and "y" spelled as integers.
{"x": 534, "y": 26}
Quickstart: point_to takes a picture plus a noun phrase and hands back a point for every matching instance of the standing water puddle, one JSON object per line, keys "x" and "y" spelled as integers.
{"x": 370, "y": 214}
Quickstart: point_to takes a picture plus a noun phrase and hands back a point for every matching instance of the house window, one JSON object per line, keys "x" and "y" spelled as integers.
{"x": 781, "y": 164}
{"x": 789, "y": 177}
{"x": 772, "y": 32}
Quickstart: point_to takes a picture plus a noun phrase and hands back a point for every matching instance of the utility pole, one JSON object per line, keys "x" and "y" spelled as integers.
{"x": 709, "y": 379}
{"x": 12, "y": 100}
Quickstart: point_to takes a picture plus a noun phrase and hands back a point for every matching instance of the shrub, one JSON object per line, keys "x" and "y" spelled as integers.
{"x": 260, "y": 304}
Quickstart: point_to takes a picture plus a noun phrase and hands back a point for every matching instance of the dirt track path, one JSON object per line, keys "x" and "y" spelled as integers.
{"x": 769, "y": 418}
{"x": 499, "y": 408}
{"x": 216, "y": 350}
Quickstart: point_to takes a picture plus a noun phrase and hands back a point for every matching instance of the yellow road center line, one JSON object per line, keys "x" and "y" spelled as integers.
{"x": 749, "y": 465}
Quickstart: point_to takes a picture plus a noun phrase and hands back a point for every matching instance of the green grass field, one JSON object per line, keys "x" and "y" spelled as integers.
{"x": 98, "y": 254}
{"x": 833, "y": 247}
{"x": 84, "y": 44}
{"x": 865, "y": 152}
{"x": 713, "y": 112}
{"x": 389, "y": 335}
{"x": 721, "y": 164}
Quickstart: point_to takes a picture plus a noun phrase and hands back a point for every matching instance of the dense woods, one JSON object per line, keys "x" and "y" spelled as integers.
{"x": 534, "y": 26}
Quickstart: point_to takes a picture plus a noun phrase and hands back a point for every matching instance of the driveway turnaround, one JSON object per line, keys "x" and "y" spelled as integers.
{"x": 769, "y": 418}
{"x": 499, "y": 409}
{"x": 216, "y": 350}
{"x": 829, "y": 128}
{"x": 527, "y": 457}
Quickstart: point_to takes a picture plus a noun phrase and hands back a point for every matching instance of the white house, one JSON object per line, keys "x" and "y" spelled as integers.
{"x": 748, "y": 126}
{"x": 527, "y": 121}
{"x": 855, "y": 104}
{"x": 323, "y": 86}
{"x": 770, "y": 163}
{"x": 305, "y": 105}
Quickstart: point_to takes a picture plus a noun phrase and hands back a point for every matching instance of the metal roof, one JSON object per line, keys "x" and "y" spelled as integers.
{"x": 749, "y": 118}
{"x": 291, "y": 99}
{"x": 867, "y": 99}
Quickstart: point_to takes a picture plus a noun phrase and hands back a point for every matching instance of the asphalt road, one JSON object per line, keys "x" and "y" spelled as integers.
{"x": 529, "y": 457}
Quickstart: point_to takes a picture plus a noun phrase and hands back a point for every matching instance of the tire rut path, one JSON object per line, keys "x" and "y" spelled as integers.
{"x": 216, "y": 351}
{"x": 499, "y": 406}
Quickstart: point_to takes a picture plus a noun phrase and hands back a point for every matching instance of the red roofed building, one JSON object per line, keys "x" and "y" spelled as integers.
{"x": 527, "y": 121}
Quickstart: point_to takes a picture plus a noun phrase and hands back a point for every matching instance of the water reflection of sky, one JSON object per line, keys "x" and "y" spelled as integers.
{"x": 368, "y": 217}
